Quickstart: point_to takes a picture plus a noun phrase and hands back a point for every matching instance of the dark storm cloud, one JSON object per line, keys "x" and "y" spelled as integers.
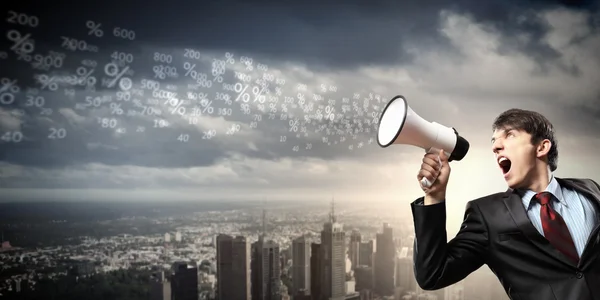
{"x": 340, "y": 34}
{"x": 328, "y": 36}
{"x": 90, "y": 137}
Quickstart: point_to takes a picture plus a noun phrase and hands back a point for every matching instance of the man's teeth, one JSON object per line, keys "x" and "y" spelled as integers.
{"x": 502, "y": 159}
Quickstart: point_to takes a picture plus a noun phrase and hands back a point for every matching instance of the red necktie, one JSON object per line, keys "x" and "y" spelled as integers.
{"x": 555, "y": 228}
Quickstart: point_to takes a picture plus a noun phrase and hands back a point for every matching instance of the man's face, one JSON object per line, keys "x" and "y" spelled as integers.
{"x": 515, "y": 155}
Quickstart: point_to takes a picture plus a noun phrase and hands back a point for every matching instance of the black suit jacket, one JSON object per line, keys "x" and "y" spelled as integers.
{"x": 497, "y": 231}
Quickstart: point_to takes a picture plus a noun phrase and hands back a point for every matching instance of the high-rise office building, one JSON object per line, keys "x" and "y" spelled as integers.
{"x": 354, "y": 249}
{"x": 184, "y": 282}
{"x": 366, "y": 251}
{"x": 364, "y": 278}
{"x": 160, "y": 288}
{"x": 300, "y": 266}
{"x": 315, "y": 271}
{"x": 385, "y": 262}
{"x": 266, "y": 271}
{"x": 333, "y": 259}
{"x": 265, "y": 267}
{"x": 233, "y": 268}
{"x": 405, "y": 275}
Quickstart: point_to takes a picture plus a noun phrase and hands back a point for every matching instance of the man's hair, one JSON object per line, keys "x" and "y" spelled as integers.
{"x": 533, "y": 123}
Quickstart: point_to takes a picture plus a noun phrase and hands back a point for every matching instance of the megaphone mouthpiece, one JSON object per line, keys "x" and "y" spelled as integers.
{"x": 399, "y": 124}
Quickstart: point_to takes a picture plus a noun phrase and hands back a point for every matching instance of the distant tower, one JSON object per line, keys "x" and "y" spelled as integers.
{"x": 333, "y": 259}
{"x": 178, "y": 236}
{"x": 354, "y": 248}
{"x": 385, "y": 262}
{"x": 233, "y": 268}
{"x": 184, "y": 282}
{"x": 264, "y": 223}
{"x": 167, "y": 237}
{"x": 265, "y": 267}
{"x": 300, "y": 266}
{"x": 160, "y": 288}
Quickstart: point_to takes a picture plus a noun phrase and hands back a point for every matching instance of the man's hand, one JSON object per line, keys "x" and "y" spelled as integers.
{"x": 438, "y": 169}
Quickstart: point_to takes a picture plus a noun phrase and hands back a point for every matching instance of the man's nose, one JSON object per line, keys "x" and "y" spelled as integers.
{"x": 497, "y": 146}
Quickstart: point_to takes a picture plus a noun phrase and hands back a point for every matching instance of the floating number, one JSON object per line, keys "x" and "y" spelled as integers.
{"x": 184, "y": 138}
{"x": 22, "y": 19}
{"x": 122, "y": 56}
{"x": 161, "y": 57}
{"x": 124, "y": 33}
{"x": 38, "y": 101}
{"x": 12, "y": 137}
{"x": 59, "y": 133}
{"x": 108, "y": 123}
{"x": 191, "y": 53}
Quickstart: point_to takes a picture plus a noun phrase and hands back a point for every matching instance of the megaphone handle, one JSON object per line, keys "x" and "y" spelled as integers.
{"x": 424, "y": 181}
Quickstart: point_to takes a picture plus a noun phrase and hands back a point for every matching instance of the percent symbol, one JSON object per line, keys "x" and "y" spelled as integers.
{"x": 272, "y": 108}
{"x": 190, "y": 70}
{"x": 159, "y": 73}
{"x": 94, "y": 28}
{"x": 247, "y": 61}
{"x": 225, "y": 98}
{"x": 258, "y": 94}
{"x": 116, "y": 109}
{"x": 177, "y": 108}
{"x": 217, "y": 76}
{"x": 8, "y": 91}
{"x": 206, "y": 106}
{"x": 293, "y": 125}
{"x": 112, "y": 70}
{"x": 85, "y": 77}
{"x": 329, "y": 113}
{"x": 229, "y": 57}
{"x": 233, "y": 129}
{"x": 21, "y": 43}
{"x": 48, "y": 82}
{"x": 241, "y": 90}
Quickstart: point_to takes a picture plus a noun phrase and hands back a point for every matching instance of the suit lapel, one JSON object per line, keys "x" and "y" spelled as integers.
{"x": 517, "y": 211}
{"x": 590, "y": 191}
{"x": 585, "y": 188}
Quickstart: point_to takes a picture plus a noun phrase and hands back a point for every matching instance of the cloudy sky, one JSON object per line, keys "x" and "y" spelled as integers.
{"x": 459, "y": 63}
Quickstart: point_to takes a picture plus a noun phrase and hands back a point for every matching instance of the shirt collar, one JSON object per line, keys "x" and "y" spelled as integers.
{"x": 553, "y": 187}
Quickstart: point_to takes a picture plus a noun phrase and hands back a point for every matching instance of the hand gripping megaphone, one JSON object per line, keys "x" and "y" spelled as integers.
{"x": 399, "y": 124}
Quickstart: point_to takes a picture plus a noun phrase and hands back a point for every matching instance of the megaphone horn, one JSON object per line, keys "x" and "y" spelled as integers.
{"x": 399, "y": 124}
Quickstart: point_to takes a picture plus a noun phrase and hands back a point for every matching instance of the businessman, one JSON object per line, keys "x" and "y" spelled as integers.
{"x": 540, "y": 237}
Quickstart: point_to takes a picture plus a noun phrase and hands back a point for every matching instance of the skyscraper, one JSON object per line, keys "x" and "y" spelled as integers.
{"x": 405, "y": 275}
{"x": 354, "y": 248}
{"x": 160, "y": 289}
{"x": 385, "y": 262}
{"x": 315, "y": 271}
{"x": 266, "y": 270}
{"x": 333, "y": 250}
{"x": 366, "y": 251}
{"x": 184, "y": 282}
{"x": 300, "y": 266}
{"x": 233, "y": 268}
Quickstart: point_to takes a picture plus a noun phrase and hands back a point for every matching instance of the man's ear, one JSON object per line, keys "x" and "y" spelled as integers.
{"x": 543, "y": 148}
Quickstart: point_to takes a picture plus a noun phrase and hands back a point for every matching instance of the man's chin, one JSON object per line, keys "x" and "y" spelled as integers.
{"x": 513, "y": 184}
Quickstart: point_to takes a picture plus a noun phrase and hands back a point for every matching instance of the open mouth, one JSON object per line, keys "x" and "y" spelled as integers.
{"x": 504, "y": 164}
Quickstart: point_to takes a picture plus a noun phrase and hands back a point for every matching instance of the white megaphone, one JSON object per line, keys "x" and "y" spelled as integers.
{"x": 399, "y": 124}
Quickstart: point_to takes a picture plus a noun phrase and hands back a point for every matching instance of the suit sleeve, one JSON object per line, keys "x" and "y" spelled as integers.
{"x": 437, "y": 262}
